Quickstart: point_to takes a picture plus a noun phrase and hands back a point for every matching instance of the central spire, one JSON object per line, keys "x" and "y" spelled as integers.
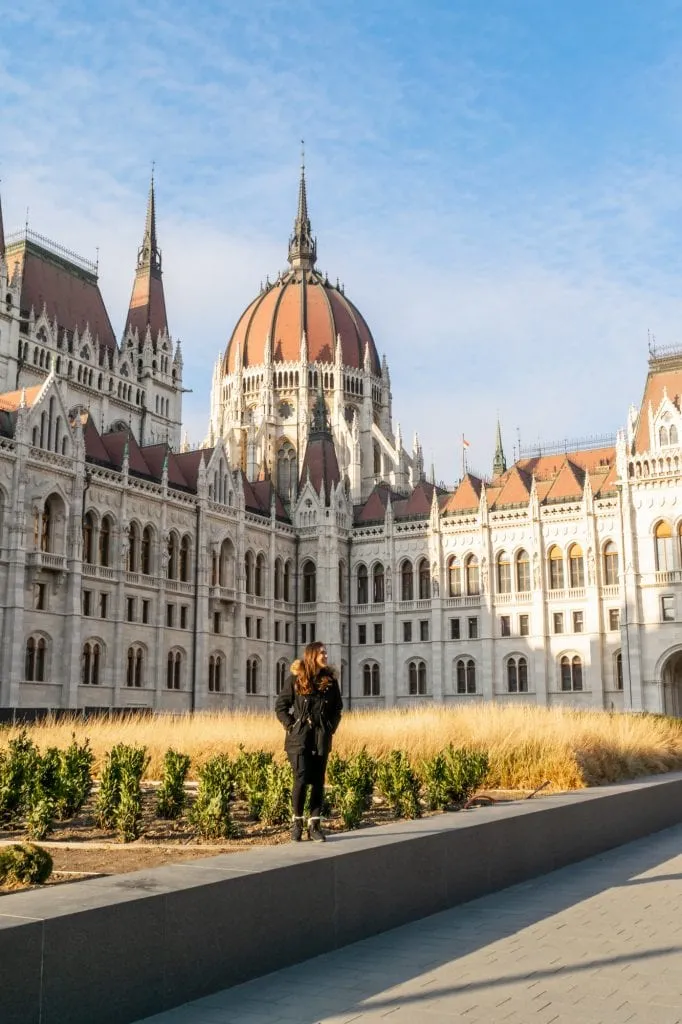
{"x": 302, "y": 245}
{"x": 149, "y": 255}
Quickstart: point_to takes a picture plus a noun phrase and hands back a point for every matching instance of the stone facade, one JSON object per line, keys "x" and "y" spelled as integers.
{"x": 137, "y": 572}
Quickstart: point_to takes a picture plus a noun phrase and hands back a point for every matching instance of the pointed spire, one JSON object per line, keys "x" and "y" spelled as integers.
{"x": 302, "y": 245}
{"x": 149, "y": 255}
{"x": 320, "y": 419}
{"x": 147, "y": 310}
{"x": 499, "y": 462}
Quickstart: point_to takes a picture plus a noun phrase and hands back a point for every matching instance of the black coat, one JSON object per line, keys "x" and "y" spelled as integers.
{"x": 309, "y": 719}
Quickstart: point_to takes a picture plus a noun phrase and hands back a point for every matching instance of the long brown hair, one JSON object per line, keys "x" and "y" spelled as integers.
{"x": 307, "y": 672}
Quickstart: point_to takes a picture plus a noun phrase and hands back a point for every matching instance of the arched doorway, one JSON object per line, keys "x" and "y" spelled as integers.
{"x": 671, "y": 678}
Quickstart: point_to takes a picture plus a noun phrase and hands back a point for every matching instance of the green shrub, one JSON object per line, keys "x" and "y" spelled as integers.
{"x": 119, "y": 801}
{"x": 75, "y": 778}
{"x": 211, "y": 813}
{"x": 398, "y": 783}
{"x": 25, "y": 864}
{"x": 452, "y": 776}
{"x": 171, "y": 797}
{"x": 351, "y": 784}
{"x": 276, "y": 807}
{"x": 251, "y": 779}
{"x": 17, "y": 769}
{"x": 109, "y": 790}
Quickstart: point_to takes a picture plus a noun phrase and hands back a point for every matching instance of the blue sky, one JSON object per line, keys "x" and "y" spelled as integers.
{"x": 498, "y": 184}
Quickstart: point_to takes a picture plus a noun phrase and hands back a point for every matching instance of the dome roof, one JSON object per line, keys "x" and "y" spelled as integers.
{"x": 301, "y": 300}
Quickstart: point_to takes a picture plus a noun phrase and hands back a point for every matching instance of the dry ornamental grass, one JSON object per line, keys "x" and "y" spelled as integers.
{"x": 526, "y": 746}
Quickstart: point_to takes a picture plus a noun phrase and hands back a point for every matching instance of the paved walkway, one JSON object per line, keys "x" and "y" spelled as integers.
{"x": 596, "y": 943}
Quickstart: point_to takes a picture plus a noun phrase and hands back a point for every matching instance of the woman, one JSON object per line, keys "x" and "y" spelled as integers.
{"x": 309, "y": 707}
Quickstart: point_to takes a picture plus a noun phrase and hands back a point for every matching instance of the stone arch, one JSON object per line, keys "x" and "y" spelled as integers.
{"x": 669, "y": 672}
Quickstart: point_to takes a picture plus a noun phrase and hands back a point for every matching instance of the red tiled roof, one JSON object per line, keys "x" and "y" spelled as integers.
{"x": 148, "y": 304}
{"x": 321, "y": 464}
{"x": 513, "y": 488}
{"x": 568, "y": 482}
{"x": 375, "y": 507}
{"x": 665, "y": 375}
{"x": 11, "y": 400}
{"x": 465, "y": 498}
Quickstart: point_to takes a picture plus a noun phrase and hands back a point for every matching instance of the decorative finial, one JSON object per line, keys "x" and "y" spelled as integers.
{"x": 302, "y": 245}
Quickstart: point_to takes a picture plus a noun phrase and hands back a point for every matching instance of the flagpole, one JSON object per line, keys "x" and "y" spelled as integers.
{"x": 463, "y": 458}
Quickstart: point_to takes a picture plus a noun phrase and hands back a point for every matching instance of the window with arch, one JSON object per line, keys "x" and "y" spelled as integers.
{"x": 309, "y": 582}
{"x": 133, "y": 546}
{"x": 673, "y": 435}
{"x": 105, "y": 541}
{"x": 249, "y": 567}
{"x": 259, "y": 576}
{"x": 252, "y": 674}
{"x": 215, "y": 673}
{"x": 465, "y": 675}
{"x": 342, "y": 581}
{"x": 571, "y": 673}
{"x": 454, "y": 577}
{"x": 89, "y": 528}
{"x": 363, "y": 584}
{"x": 174, "y": 670}
{"x": 406, "y": 581}
{"x": 36, "y": 659}
{"x": 522, "y": 572}
{"x": 286, "y": 470}
{"x": 286, "y": 581}
{"x": 371, "y": 680}
{"x": 663, "y": 540}
{"x": 277, "y": 581}
{"x": 610, "y": 556}
{"x": 146, "y": 551}
{"x": 619, "y": 670}
{"x": 281, "y": 673}
{"x": 517, "y": 675}
{"x": 135, "y": 666}
{"x": 473, "y": 579}
{"x": 378, "y": 589}
{"x": 556, "y": 568}
{"x": 576, "y": 566}
{"x": 91, "y": 663}
{"x": 226, "y": 564}
{"x": 185, "y": 559}
{"x": 47, "y": 524}
{"x": 416, "y": 677}
{"x": 504, "y": 580}
{"x": 172, "y": 567}
{"x": 663, "y": 437}
{"x": 424, "y": 580}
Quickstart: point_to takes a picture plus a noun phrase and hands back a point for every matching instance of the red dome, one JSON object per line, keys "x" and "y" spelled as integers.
{"x": 301, "y": 300}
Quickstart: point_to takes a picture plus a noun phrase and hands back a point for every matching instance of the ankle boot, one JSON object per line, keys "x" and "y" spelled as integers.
{"x": 315, "y": 832}
{"x": 297, "y": 830}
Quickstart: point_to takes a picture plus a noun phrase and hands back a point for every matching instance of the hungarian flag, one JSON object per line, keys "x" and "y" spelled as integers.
{"x": 465, "y": 443}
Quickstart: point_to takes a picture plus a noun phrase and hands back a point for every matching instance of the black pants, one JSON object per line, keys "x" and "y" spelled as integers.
{"x": 309, "y": 769}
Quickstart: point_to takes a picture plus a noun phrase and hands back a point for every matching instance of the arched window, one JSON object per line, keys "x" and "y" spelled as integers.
{"x": 371, "y": 680}
{"x": 259, "y": 576}
{"x": 416, "y": 677}
{"x": 663, "y": 437}
{"x": 173, "y": 670}
{"x": 286, "y": 470}
{"x": 377, "y": 460}
{"x": 619, "y": 671}
{"x": 610, "y": 564}
{"x": 363, "y": 585}
{"x": 278, "y": 580}
{"x": 378, "y": 583}
{"x": 556, "y": 568}
{"x": 46, "y": 527}
{"x": 663, "y": 538}
{"x": 215, "y": 670}
{"x": 472, "y": 576}
{"x": 172, "y": 569}
{"x": 133, "y": 546}
{"x": 406, "y": 581}
{"x": 517, "y": 675}
{"x": 252, "y": 666}
{"x": 342, "y": 581}
{"x": 281, "y": 671}
{"x": 89, "y": 538}
{"x": 226, "y": 564}
{"x": 248, "y": 571}
{"x": 36, "y": 659}
{"x": 522, "y": 572}
{"x": 503, "y": 573}
{"x": 91, "y": 662}
{"x": 309, "y": 582}
{"x": 454, "y": 577}
{"x": 673, "y": 435}
{"x": 286, "y": 582}
{"x": 135, "y": 665}
{"x": 105, "y": 541}
{"x": 424, "y": 580}
{"x": 185, "y": 544}
{"x": 576, "y": 566}
{"x": 146, "y": 551}
{"x": 465, "y": 675}
{"x": 571, "y": 673}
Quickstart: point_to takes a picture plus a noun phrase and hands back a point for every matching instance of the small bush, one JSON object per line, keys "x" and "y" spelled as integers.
{"x": 251, "y": 779}
{"x": 351, "y": 784}
{"x": 42, "y": 786}
{"x": 452, "y": 776}
{"x": 119, "y": 801}
{"x": 211, "y": 811}
{"x": 75, "y": 778}
{"x": 171, "y": 797}
{"x": 25, "y": 864}
{"x": 398, "y": 783}
{"x": 17, "y": 769}
{"x": 276, "y": 808}
{"x": 109, "y": 790}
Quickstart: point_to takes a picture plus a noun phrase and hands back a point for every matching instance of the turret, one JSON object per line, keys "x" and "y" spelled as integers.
{"x": 499, "y": 462}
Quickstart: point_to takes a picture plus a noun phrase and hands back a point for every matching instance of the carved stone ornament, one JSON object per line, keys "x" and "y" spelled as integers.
{"x": 536, "y": 571}
{"x": 591, "y": 567}
{"x": 484, "y": 575}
